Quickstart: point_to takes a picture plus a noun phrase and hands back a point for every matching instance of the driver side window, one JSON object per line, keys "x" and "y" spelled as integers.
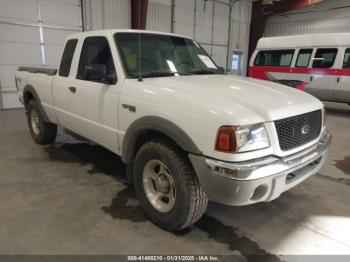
{"x": 95, "y": 52}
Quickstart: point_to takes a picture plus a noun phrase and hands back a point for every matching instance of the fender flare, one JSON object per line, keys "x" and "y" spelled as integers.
{"x": 158, "y": 124}
{"x": 29, "y": 90}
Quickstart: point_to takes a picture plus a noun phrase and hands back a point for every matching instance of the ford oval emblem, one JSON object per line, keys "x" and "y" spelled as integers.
{"x": 306, "y": 129}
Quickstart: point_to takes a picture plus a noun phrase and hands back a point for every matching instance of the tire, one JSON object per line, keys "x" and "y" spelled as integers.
{"x": 187, "y": 204}
{"x": 43, "y": 133}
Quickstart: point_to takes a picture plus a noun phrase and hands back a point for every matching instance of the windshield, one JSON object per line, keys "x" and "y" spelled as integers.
{"x": 163, "y": 55}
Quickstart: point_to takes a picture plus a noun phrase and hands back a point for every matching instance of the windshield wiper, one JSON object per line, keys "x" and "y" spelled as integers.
{"x": 157, "y": 73}
{"x": 202, "y": 72}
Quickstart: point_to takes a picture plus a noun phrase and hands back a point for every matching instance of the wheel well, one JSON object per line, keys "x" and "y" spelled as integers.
{"x": 143, "y": 137}
{"x": 27, "y": 97}
{"x": 30, "y": 94}
{"x": 149, "y": 126}
{"x": 149, "y": 135}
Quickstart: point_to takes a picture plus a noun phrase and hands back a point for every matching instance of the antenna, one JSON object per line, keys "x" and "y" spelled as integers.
{"x": 140, "y": 68}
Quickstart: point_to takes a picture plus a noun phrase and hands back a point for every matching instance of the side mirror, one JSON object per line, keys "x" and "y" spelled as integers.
{"x": 111, "y": 78}
{"x": 98, "y": 73}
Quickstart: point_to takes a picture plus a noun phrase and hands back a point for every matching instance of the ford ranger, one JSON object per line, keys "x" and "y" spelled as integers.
{"x": 186, "y": 132}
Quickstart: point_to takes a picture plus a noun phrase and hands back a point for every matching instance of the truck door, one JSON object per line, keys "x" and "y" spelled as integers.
{"x": 322, "y": 74}
{"x": 342, "y": 89}
{"x": 61, "y": 83}
{"x": 93, "y": 103}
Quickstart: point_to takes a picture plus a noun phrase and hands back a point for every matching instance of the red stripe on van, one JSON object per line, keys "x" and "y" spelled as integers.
{"x": 260, "y": 71}
{"x": 344, "y": 72}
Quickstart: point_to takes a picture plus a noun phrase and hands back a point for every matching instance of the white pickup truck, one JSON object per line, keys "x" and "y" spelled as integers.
{"x": 186, "y": 132}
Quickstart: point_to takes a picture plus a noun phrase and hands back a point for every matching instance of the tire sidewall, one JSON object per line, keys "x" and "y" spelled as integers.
{"x": 32, "y": 105}
{"x": 177, "y": 216}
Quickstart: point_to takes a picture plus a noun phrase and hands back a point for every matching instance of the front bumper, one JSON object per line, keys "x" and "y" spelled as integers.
{"x": 261, "y": 179}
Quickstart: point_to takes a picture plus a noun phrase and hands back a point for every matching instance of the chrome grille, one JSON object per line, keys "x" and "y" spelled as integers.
{"x": 298, "y": 130}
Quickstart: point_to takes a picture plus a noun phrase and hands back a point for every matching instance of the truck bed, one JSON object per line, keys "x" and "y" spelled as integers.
{"x": 41, "y": 70}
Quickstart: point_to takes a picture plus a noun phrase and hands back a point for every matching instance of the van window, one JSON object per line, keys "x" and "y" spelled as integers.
{"x": 274, "y": 58}
{"x": 324, "y": 57}
{"x": 346, "y": 63}
{"x": 67, "y": 57}
{"x": 303, "y": 58}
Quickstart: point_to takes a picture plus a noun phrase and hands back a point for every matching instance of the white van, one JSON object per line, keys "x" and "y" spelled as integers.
{"x": 318, "y": 64}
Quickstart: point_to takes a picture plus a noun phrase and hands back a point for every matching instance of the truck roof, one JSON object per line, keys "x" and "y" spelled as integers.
{"x": 113, "y": 31}
{"x": 311, "y": 40}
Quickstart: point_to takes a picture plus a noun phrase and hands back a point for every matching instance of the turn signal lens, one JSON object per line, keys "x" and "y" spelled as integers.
{"x": 226, "y": 140}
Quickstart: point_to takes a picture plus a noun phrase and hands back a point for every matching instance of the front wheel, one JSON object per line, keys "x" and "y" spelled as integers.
{"x": 42, "y": 132}
{"x": 167, "y": 187}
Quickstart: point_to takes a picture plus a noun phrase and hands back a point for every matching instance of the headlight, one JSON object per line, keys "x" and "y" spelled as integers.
{"x": 252, "y": 138}
{"x": 242, "y": 138}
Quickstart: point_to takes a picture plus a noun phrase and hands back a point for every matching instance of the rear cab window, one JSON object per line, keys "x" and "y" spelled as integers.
{"x": 281, "y": 58}
{"x": 67, "y": 57}
{"x": 303, "y": 58}
{"x": 324, "y": 57}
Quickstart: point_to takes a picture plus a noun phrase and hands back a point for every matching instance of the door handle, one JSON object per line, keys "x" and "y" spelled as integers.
{"x": 311, "y": 78}
{"x": 338, "y": 79}
{"x": 72, "y": 89}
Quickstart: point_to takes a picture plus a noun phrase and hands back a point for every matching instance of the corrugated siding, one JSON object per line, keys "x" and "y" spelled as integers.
{"x": 32, "y": 33}
{"x": 336, "y": 25}
{"x": 240, "y": 28}
{"x": 158, "y": 17}
{"x": 107, "y": 14}
{"x": 330, "y": 16}
{"x": 206, "y": 22}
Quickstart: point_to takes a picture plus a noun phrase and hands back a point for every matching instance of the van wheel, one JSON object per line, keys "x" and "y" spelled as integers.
{"x": 43, "y": 133}
{"x": 167, "y": 186}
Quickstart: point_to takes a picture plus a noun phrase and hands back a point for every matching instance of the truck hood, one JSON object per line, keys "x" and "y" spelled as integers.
{"x": 246, "y": 98}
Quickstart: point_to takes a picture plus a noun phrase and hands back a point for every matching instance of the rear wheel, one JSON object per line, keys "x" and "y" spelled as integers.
{"x": 167, "y": 186}
{"x": 41, "y": 131}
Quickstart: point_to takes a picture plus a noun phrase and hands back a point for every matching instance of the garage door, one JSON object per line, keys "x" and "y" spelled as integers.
{"x": 32, "y": 33}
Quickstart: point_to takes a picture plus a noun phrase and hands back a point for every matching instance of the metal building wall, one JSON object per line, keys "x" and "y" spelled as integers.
{"x": 207, "y": 21}
{"x": 240, "y": 28}
{"x": 107, "y": 14}
{"x": 32, "y": 33}
{"x": 328, "y": 16}
{"x": 159, "y": 15}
